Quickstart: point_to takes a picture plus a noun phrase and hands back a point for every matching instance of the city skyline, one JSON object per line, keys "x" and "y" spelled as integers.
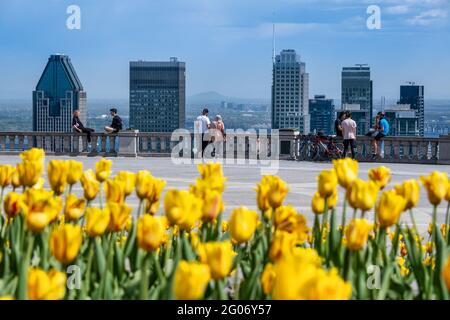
{"x": 228, "y": 49}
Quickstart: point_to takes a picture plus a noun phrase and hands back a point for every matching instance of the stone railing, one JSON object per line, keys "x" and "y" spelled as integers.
{"x": 393, "y": 149}
{"x": 154, "y": 144}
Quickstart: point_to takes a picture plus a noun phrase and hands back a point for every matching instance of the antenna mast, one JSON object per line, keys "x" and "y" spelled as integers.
{"x": 273, "y": 43}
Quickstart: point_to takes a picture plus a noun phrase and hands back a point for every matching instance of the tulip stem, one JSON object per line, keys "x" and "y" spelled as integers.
{"x": 23, "y": 277}
{"x": 416, "y": 231}
{"x": 87, "y": 279}
{"x": 236, "y": 277}
{"x": 344, "y": 213}
{"x": 139, "y": 208}
{"x": 144, "y": 279}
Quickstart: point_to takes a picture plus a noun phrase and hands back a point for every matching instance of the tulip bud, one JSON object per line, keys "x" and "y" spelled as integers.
{"x": 46, "y": 286}
{"x": 65, "y": 243}
{"x": 103, "y": 169}
{"x": 150, "y": 232}
{"x": 219, "y": 257}
{"x": 243, "y": 224}
{"x": 97, "y": 220}
{"x": 437, "y": 185}
{"x": 389, "y": 209}
{"x": 191, "y": 279}
{"x": 357, "y": 234}
{"x": 381, "y": 176}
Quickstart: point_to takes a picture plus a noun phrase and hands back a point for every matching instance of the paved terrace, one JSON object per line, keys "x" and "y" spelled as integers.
{"x": 300, "y": 175}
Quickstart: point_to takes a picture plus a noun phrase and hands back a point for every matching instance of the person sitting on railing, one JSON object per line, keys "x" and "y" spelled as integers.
{"x": 78, "y": 126}
{"x": 116, "y": 124}
{"x": 382, "y": 131}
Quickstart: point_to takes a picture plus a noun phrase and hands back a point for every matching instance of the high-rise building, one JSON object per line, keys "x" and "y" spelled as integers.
{"x": 290, "y": 87}
{"x": 402, "y": 120}
{"x": 157, "y": 95}
{"x": 58, "y": 93}
{"x": 414, "y": 96}
{"x": 321, "y": 111}
{"x": 357, "y": 88}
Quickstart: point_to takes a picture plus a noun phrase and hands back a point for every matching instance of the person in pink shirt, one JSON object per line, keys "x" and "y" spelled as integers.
{"x": 349, "y": 133}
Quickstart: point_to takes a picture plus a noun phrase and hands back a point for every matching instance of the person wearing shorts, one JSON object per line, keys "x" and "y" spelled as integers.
{"x": 383, "y": 131}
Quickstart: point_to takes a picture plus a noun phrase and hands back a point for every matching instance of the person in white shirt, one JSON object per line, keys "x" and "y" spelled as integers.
{"x": 204, "y": 125}
{"x": 349, "y": 133}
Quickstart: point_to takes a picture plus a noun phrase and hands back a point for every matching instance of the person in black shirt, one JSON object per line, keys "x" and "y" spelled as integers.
{"x": 78, "y": 126}
{"x": 337, "y": 124}
{"x": 116, "y": 124}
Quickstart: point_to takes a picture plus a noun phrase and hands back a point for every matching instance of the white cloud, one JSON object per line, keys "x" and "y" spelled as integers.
{"x": 400, "y": 9}
{"x": 429, "y": 17}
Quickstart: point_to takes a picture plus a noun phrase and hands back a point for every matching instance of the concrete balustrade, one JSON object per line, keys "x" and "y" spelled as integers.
{"x": 157, "y": 144}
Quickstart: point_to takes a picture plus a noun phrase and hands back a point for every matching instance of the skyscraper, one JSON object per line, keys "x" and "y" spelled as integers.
{"x": 414, "y": 96}
{"x": 58, "y": 93}
{"x": 357, "y": 88}
{"x": 290, "y": 87}
{"x": 157, "y": 95}
{"x": 321, "y": 111}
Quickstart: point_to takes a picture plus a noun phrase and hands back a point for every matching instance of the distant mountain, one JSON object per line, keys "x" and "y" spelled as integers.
{"x": 214, "y": 98}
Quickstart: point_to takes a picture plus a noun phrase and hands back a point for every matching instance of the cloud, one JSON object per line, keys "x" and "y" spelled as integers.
{"x": 400, "y": 9}
{"x": 429, "y": 17}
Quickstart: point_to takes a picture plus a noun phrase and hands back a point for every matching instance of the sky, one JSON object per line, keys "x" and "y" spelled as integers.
{"x": 227, "y": 44}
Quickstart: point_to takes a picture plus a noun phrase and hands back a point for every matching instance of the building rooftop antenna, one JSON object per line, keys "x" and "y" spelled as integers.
{"x": 410, "y": 83}
{"x": 361, "y": 64}
{"x": 273, "y": 42}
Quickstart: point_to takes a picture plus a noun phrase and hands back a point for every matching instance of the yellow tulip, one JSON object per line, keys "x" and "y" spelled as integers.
{"x": 243, "y": 224}
{"x": 149, "y": 188}
{"x": 327, "y": 183}
{"x": 219, "y": 257}
{"x": 381, "y": 176}
{"x": 191, "y": 279}
{"x": 437, "y": 186}
{"x": 346, "y": 171}
{"x": 97, "y": 220}
{"x": 357, "y": 234}
{"x": 271, "y": 192}
{"x": 212, "y": 205}
{"x": 283, "y": 243}
{"x": 128, "y": 181}
{"x": 103, "y": 169}
{"x": 409, "y": 190}
{"x": 65, "y": 243}
{"x": 46, "y": 286}
{"x": 182, "y": 208}
{"x": 287, "y": 219}
{"x": 41, "y": 208}
{"x": 362, "y": 194}
{"x": 120, "y": 215}
{"x": 151, "y": 232}
{"x": 6, "y": 173}
{"x": 31, "y": 167}
{"x": 225, "y": 226}
{"x": 15, "y": 179}
{"x": 114, "y": 190}
{"x": 268, "y": 278}
{"x": 13, "y": 204}
{"x": 75, "y": 171}
{"x": 446, "y": 273}
{"x": 318, "y": 203}
{"x": 57, "y": 175}
{"x": 212, "y": 175}
{"x": 330, "y": 286}
{"x": 299, "y": 276}
{"x": 74, "y": 207}
{"x": 389, "y": 208}
{"x": 90, "y": 185}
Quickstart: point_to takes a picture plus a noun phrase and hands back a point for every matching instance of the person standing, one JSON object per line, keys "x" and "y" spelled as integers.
{"x": 338, "y": 124}
{"x": 79, "y": 127}
{"x": 382, "y": 131}
{"x": 204, "y": 124}
{"x": 218, "y": 134}
{"x": 116, "y": 124}
{"x": 349, "y": 133}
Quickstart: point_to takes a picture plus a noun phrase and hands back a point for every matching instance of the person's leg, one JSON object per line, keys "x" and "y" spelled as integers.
{"x": 346, "y": 143}
{"x": 353, "y": 146}
{"x": 109, "y": 129}
{"x": 88, "y": 131}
